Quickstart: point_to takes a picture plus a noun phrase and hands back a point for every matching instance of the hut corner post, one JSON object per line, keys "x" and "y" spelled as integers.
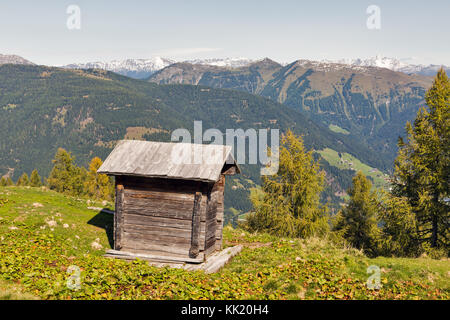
{"x": 220, "y": 212}
{"x": 194, "y": 250}
{"x": 118, "y": 217}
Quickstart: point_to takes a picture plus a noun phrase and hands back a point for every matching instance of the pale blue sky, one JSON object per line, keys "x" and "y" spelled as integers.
{"x": 284, "y": 30}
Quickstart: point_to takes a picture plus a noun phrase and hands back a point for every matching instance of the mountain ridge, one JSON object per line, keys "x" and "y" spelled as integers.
{"x": 88, "y": 111}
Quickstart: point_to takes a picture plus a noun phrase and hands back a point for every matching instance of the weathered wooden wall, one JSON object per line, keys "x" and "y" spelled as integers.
{"x": 220, "y": 189}
{"x": 158, "y": 216}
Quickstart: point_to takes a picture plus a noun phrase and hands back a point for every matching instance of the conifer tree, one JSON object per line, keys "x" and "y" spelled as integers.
{"x": 35, "y": 179}
{"x": 357, "y": 222}
{"x": 290, "y": 203}
{"x": 9, "y": 182}
{"x": 422, "y": 167}
{"x": 399, "y": 237}
{"x": 66, "y": 176}
{"x": 23, "y": 180}
{"x": 98, "y": 185}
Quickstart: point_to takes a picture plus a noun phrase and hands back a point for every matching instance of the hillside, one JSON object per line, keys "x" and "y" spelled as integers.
{"x": 87, "y": 112}
{"x": 369, "y": 102}
{"x": 43, "y": 233}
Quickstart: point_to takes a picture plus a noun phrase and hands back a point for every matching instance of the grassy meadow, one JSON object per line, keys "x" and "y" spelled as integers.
{"x": 44, "y": 234}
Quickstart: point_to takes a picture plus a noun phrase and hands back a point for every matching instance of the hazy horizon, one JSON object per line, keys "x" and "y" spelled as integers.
{"x": 284, "y": 31}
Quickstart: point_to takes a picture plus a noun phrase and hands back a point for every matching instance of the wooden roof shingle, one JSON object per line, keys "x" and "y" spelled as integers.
{"x": 201, "y": 162}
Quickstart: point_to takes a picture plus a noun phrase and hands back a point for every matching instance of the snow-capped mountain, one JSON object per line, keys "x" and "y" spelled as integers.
{"x": 143, "y": 68}
{"x": 134, "y": 68}
{"x": 13, "y": 59}
{"x": 392, "y": 64}
{"x": 223, "y": 62}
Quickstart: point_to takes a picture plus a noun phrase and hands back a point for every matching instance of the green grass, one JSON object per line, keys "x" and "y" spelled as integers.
{"x": 36, "y": 255}
{"x": 14, "y": 291}
{"x": 337, "y": 129}
{"x": 347, "y": 161}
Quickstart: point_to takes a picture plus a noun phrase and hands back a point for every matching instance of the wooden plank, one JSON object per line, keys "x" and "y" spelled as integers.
{"x": 164, "y": 231}
{"x": 139, "y": 244}
{"x": 165, "y": 204}
{"x": 125, "y": 254}
{"x": 170, "y": 252}
{"x": 194, "y": 250}
{"x": 161, "y": 194}
{"x": 149, "y": 233}
{"x": 164, "y": 185}
{"x": 155, "y": 238}
{"x": 157, "y": 212}
{"x": 213, "y": 263}
{"x": 217, "y": 261}
{"x": 210, "y": 248}
{"x": 144, "y": 220}
{"x": 118, "y": 217}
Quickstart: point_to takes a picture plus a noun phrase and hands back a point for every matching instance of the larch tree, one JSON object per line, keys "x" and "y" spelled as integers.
{"x": 35, "y": 179}
{"x": 98, "y": 185}
{"x": 357, "y": 222}
{"x": 9, "y": 182}
{"x": 23, "y": 180}
{"x": 422, "y": 167}
{"x": 290, "y": 201}
{"x": 66, "y": 176}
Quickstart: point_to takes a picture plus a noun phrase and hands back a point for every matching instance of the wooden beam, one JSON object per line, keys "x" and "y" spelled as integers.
{"x": 194, "y": 251}
{"x": 118, "y": 217}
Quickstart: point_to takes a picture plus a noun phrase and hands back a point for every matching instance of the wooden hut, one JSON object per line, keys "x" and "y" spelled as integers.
{"x": 169, "y": 198}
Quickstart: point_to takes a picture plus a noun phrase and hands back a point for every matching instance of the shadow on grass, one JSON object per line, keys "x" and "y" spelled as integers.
{"x": 105, "y": 219}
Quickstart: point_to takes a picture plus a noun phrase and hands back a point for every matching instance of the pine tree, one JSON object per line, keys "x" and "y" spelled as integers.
{"x": 290, "y": 203}
{"x": 357, "y": 222}
{"x": 66, "y": 176}
{"x": 23, "y": 180}
{"x": 35, "y": 179}
{"x": 98, "y": 185}
{"x": 422, "y": 167}
{"x": 9, "y": 182}
{"x": 399, "y": 236}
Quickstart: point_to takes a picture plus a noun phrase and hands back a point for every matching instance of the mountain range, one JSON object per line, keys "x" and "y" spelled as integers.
{"x": 347, "y": 112}
{"x": 134, "y": 68}
{"x": 88, "y": 111}
{"x": 394, "y": 65}
{"x": 370, "y": 103}
{"x": 143, "y": 68}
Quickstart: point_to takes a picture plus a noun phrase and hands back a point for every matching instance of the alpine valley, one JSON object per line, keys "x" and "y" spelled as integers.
{"x": 350, "y": 114}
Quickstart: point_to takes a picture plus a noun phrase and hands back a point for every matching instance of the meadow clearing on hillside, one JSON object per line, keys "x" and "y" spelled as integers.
{"x": 43, "y": 233}
{"x": 347, "y": 161}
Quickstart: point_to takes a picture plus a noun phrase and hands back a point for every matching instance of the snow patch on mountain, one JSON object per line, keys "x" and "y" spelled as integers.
{"x": 392, "y": 64}
{"x": 223, "y": 62}
{"x": 13, "y": 59}
{"x": 135, "y": 68}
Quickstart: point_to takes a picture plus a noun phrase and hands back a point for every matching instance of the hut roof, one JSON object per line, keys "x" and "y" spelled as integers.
{"x": 169, "y": 160}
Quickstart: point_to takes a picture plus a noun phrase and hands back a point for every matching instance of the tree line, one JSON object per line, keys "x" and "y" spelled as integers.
{"x": 66, "y": 177}
{"x": 411, "y": 219}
